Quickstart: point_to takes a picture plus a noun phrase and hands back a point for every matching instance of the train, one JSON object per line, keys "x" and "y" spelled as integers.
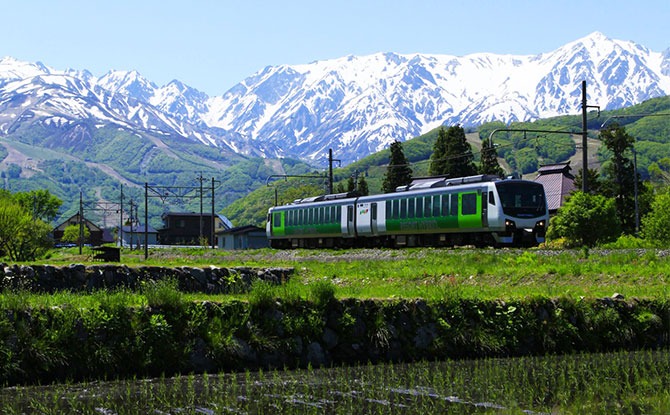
{"x": 478, "y": 210}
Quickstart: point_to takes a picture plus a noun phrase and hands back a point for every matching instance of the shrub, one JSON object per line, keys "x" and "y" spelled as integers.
{"x": 585, "y": 219}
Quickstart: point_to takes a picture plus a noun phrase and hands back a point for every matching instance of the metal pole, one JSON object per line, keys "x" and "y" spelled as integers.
{"x": 121, "y": 220}
{"x": 81, "y": 222}
{"x": 200, "y": 179}
{"x": 637, "y": 211}
{"x": 330, "y": 171}
{"x": 585, "y": 166}
{"x": 133, "y": 217}
{"x": 146, "y": 220}
{"x": 212, "y": 227}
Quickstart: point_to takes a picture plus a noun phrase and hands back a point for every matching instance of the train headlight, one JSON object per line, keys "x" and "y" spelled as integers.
{"x": 509, "y": 224}
{"x": 540, "y": 224}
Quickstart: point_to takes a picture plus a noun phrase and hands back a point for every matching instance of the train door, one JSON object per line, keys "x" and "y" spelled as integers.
{"x": 363, "y": 219}
{"x": 373, "y": 219}
{"x": 348, "y": 220}
{"x": 470, "y": 212}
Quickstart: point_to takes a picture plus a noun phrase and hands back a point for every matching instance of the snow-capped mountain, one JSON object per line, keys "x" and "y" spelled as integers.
{"x": 358, "y": 105}
{"x": 355, "y": 105}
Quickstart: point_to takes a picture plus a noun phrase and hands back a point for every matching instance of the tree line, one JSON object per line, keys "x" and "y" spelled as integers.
{"x": 452, "y": 157}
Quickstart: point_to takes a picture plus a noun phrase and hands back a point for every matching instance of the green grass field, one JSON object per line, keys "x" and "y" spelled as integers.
{"x": 435, "y": 273}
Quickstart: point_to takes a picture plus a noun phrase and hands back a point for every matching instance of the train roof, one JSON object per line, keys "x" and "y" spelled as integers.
{"x": 420, "y": 183}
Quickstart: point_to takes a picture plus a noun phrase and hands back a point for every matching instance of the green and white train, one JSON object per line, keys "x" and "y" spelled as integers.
{"x": 476, "y": 210}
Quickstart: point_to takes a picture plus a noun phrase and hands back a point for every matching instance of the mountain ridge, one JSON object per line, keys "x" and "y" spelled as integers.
{"x": 355, "y": 105}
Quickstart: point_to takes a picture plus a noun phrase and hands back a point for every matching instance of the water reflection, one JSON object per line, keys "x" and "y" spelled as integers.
{"x": 591, "y": 383}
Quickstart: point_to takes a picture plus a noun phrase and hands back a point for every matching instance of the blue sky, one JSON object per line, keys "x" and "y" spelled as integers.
{"x": 212, "y": 45}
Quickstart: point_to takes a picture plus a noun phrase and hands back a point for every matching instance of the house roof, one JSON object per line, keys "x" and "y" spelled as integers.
{"x": 558, "y": 183}
{"x": 75, "y": 218}
{"x": 137, "y": 229}
{"x": 241, "y": 230}
{"x": 226, "y": 222}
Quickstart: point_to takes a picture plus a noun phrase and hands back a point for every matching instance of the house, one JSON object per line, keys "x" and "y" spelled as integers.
{"x": 190, "y": 228}
{"x": 96, "y": 237}
{"x": 243, "y": 237}
{"x": 558, "y": 183}
{"x": 134, "y": 235}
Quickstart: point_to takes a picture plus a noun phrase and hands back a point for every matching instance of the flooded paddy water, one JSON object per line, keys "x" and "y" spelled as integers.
{"x": 623, "y": 382}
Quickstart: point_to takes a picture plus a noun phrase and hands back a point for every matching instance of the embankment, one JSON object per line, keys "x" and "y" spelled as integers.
{"x": 171, "y": 335}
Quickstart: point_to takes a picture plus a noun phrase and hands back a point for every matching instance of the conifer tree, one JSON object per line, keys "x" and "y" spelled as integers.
{"x": 398, "y": 172}
{"x": 452, "y": 154}
{"x": 619, "y": 175}
{"x": 438, "y": 160}
{"x": 363, "y": 189}
{"x": 489, "y": 160}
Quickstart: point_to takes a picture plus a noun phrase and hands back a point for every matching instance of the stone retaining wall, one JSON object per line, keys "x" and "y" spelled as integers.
{"x": 78, "y": 277}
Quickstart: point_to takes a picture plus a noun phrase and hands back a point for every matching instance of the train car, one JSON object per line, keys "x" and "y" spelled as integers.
{"x": 477, "y": 210}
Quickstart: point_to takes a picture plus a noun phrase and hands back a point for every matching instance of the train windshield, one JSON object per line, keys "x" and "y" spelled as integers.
{"x": 522, "y": 199}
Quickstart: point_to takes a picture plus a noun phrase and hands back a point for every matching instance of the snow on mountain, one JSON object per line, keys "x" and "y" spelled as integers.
{"x": 355, "y": 104}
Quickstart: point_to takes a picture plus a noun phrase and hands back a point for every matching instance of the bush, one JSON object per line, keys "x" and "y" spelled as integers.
{"x": 585, "y": 219}
{"x": 655, "y": 223}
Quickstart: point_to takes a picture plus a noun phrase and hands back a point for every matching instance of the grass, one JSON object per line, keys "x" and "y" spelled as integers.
{"x": 433, "y": 273}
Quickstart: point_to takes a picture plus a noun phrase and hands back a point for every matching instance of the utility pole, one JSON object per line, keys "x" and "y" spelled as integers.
{"x": 200, "y": 179}
{"x": 585, "y": 159}
{"x": 121, "y": 220}
{"x": 330, "y": 170}
{"x": 81, "y": 221}
{"x": 213, "y": 215}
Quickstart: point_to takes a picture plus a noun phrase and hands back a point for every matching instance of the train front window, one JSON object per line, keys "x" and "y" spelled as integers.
{"x": 522, "y": 199}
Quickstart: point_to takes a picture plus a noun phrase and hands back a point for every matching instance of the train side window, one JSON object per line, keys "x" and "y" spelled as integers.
{"x": 410, "y": 207}
{"x": 338, "y": 214}
{"x": 396, "y": 208}
{"x": 388, "y": 209}
{"x": 276, "y": 220}
{"x": 374, "y": 211}
{"x": 428, "y": 206}
{"x": 436, "y": 205}
{"x": 469, "y": 201}
{"x": 453, "y": 206}
{"x": 492, "y": 199}
{"x": 445, "y": 205}
{"x": 419, "y": 207}
{"x": 403, "y": 209}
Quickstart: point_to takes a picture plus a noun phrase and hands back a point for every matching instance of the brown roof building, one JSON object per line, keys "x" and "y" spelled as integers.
{"x": 558, "y": 183}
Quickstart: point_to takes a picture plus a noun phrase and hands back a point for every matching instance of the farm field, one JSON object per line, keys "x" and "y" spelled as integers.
{"x": 518, "y": 303}
{"x": 435, "y": 273}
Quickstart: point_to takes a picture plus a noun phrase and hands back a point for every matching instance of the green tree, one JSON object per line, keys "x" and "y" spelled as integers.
{"x": 619, "y": 175}
{"x": 452, "y": 155}
{"x": 585, "y": 220}
{"x": 71, "y": 234}
{"x": 655, "y": 223}
{"x": 351, "y": 184}
{"x": 438, "y": 160}
{"x": 42, "y": 204}
{"x": 363, "y": 189}
{"x": 594, "y": 181}
{"x": 22, "y": 238}
{"x": 398, "y": 172}
{"x": 489, "y": 160}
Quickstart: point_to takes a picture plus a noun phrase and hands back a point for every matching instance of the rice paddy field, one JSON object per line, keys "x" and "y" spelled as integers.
{"x": 636, "y": 382}
{"x": 614, "y": 383}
